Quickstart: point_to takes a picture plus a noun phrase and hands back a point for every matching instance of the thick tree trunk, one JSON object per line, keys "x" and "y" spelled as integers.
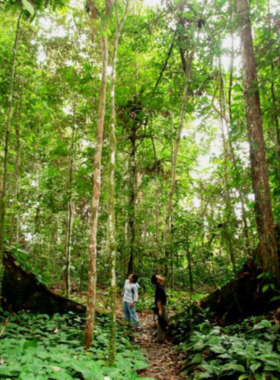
{"x": 273, "y": 95}
{"x": 268, "y": 252}
{"x": 232, "y": 152}
{"x": 3, "y": 175}
{"x": 242, "y": 297}
{"x": 91, "y": 297}
{"x": 23, "y": 291}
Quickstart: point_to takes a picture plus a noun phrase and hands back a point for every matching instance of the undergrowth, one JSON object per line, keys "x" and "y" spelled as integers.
{"x": 249, "y": 350}
{"x": 40, "y": 347}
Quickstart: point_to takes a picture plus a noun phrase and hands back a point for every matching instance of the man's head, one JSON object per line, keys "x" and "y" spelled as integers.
{"x": 133, "y": 278}
{"x": 157, "y": 279}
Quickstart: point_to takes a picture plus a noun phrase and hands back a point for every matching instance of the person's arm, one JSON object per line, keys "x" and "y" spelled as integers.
{"x": 159, "y": 306}
{"x": 134, "y": 291}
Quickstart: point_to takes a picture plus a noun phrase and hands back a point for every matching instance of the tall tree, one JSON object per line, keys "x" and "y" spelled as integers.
{"x": 187, "y": 65}
{"x": 4, "y": 171}
{"x": 70, "y": 207}
{"x": 268, "y": 250}
{"x": 92, "y": 274}
{"x": 111, "y": 189}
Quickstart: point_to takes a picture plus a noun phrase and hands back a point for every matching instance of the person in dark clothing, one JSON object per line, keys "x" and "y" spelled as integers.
{"x": 160, "y": 307}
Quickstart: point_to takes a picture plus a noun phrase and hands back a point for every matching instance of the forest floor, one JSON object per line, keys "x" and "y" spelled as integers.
{"x": 163, "y": 360}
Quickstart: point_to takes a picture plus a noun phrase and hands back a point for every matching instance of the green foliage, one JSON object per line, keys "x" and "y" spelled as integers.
{"x": 189, "y": 317}
{"x": 250, "y": 350}
{"x": 42, "y": 347}
{"x": 58, "y": 74}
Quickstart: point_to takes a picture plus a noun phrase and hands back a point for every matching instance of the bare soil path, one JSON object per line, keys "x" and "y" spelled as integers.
{"x": 164, "y": 361}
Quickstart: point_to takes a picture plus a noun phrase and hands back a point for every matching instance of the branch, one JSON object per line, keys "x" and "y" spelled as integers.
{"x": 166, "y": 60}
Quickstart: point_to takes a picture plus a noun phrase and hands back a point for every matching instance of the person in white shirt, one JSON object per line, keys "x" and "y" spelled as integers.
{"x": 130, "y": 297}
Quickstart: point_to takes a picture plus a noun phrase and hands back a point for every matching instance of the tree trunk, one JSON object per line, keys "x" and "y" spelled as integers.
{"x": 3, "y": 174}
{"x": 23, "y": 291}
{"x": 268, "y": 252}
{"x": 229, "y": 207}
{"x": 189, "y": 257}
{"x": 157, "y": 208}
{"x": 232, "y": 153}
{"x": 274, "y": 97}
{"x": 132, "y": 201}
{"x": 17, "y": 174}
{"x": 70, "y": 208}
{"x": 91, "y": 296}
{"x": 111, "y": 196}
{"x": 167, "y": 229}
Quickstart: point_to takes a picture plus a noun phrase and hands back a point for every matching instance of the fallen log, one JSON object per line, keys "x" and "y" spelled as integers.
{"x": 22, "y": 291}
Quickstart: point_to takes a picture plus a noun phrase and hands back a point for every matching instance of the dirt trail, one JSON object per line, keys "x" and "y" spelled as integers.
{"x": 164, "y": 362}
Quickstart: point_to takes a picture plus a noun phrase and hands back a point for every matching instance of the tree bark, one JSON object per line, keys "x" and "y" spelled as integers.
{"x": 70, "y": 208}
{"x": 157, "y": 207}
{"x": 268, "y": 252}
{"x": 15, "y": 215}
{"x": 111, "y": 195}
{"x": 273, "y": 96}
{"x": 3, "y": 175}
{"x": 132, "y": 200}
{"x": 91, "y": 296}
{"x": 229, "y": 207}
{"x": 232, "y": 152}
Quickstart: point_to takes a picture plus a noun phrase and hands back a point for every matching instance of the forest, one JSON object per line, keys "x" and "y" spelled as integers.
{"x": 139, "y": 137}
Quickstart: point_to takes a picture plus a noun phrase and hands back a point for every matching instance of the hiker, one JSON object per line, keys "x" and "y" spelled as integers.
{"x": 130, "y": 297}
{"x": 160, "y": 308}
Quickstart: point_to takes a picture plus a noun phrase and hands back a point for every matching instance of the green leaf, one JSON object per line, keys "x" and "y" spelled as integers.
{"x": 265, "y": 323}
{"x": 197, "y": 359}
{"x": 233, "y": 366}
{"x": 255, "y": 366}
{"x": 205, "y": 375}
{"x": 28, "y": 6}
{"x": 265, "y": 288}
{"x": 189, "y": 16}
{"x": 276, "y": 298}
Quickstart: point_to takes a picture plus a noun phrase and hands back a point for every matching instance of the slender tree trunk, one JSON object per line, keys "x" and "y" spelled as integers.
{"x": 111, "y": 196}
{"x": 167, "y": 229}
{"x": 229, "y": 208}
{"x": 268, "y": 251}
{"x": 91, "y": 296}
{"x": 17, "y": 173}
{"x": 189, "y": 261}
{"x": 132, "y": 201}
{"x": 70, "y": 209}
{"x": 3, "y": 175}
{"x": 157, "y": 207}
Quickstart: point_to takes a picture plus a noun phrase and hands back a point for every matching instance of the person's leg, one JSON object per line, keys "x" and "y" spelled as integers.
{"x": 161, "y": 326}
{"x": 133, "y": 316}
{"x": 126, "y": 311}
